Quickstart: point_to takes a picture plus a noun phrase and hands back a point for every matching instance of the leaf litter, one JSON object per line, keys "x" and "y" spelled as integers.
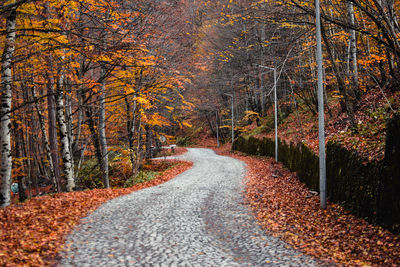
{"x": 287, "y": 209}
{"x": 33, "y": 233}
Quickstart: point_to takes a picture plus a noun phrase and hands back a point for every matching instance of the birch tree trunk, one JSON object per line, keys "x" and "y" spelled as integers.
{"x": 5, "y": 109}
{"x": 62, "y": 126}
{"x": 69, "y": 120}
{"x": 102, "y": 111}
{"x": 102, "y": 130}
{"x": 353, "y": 70}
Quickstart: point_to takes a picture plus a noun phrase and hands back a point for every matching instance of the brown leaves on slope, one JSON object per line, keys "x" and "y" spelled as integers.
{"x": 287, "y": 209}
{"x": 33, "y": 233}
{"x": 179, "y": 151}
{"x": 175, "y": 151}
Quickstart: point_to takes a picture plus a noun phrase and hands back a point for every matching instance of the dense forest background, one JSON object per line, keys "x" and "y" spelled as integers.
{"x": 88, "y": 87}
{"x": 242, "y": 40}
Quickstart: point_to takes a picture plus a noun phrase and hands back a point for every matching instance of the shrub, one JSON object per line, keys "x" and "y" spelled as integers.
{"x": 141, "y": 177}
{"x": 90, "y": 175}
{"x": 184, "y": 141}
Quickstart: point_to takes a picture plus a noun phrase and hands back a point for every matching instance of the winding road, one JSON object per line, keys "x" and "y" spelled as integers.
{"x": 195, "y": 219}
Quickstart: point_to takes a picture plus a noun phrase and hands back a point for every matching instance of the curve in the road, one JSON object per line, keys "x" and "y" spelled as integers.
{"x": 196, "y": 219}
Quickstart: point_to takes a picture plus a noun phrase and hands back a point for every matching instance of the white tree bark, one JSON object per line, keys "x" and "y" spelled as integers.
{"x": 102, "y": 131}
{"x": 353, "y": 70}
{"x": 5, "y": 109}
{"x": 69, "y": 122}
{"x": 62, "y": 124}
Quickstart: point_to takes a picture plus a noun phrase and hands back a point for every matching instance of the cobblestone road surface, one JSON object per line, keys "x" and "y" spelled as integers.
{"x": 196, "y": 219}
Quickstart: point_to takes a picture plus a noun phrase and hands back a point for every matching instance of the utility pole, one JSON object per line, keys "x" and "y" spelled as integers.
{"x": 321, "y": 119}
{"x": 233, "y": 132}
{"x": 275, "y": 109}
{"x": 276, "y": 117}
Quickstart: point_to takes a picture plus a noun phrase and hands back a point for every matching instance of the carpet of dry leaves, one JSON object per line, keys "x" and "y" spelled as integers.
{"x": 33, "y": 233}
{"x": 179, "y": 151}
{"x": 287, "y": 209}
{"x": 175, "y": 151}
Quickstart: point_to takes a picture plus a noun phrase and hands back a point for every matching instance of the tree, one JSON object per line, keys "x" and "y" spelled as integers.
{"x": 80, "y": 68}
{"x": 5, "y": 109}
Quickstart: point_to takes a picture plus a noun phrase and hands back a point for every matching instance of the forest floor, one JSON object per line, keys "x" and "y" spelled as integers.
{"x": 33, "y": 233}
{"x": 285, "y": 208}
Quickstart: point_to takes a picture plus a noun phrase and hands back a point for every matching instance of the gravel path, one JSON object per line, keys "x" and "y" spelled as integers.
{"x": 195, "y": 219}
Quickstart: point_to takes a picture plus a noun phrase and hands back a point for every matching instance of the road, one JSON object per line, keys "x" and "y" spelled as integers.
{"x": 198, "y": 218}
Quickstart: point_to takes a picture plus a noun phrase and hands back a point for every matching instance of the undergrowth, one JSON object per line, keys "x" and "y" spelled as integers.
{"x": 367, "y": 138}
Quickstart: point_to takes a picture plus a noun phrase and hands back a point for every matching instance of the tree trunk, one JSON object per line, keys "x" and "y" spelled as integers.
{"x": 62, "y": 129}
{"x": 51, "y": 110}
{"x": 131, "y": 121}
{"x": 95, "y": 137}
{"x": 46, "y": 142}
{"x": 348, "y": 102}
{"x": 139, "y": 150}
{"x": 102, "y": 130}
{"x": 5, "y": 109}
{"x": 75, "y": 145}
{"x": 353, "y": 70}
{"x": 18, "y": 163}
{"x": 27, "y": 149}
{"x": 149, "y": 142}
{"x": 69, "y": 121}
{"x": 52, "y": 125}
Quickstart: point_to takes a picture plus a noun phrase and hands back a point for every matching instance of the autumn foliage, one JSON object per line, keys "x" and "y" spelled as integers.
{"x": 33, "y": 233}
{"x": 87, "y": 78}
